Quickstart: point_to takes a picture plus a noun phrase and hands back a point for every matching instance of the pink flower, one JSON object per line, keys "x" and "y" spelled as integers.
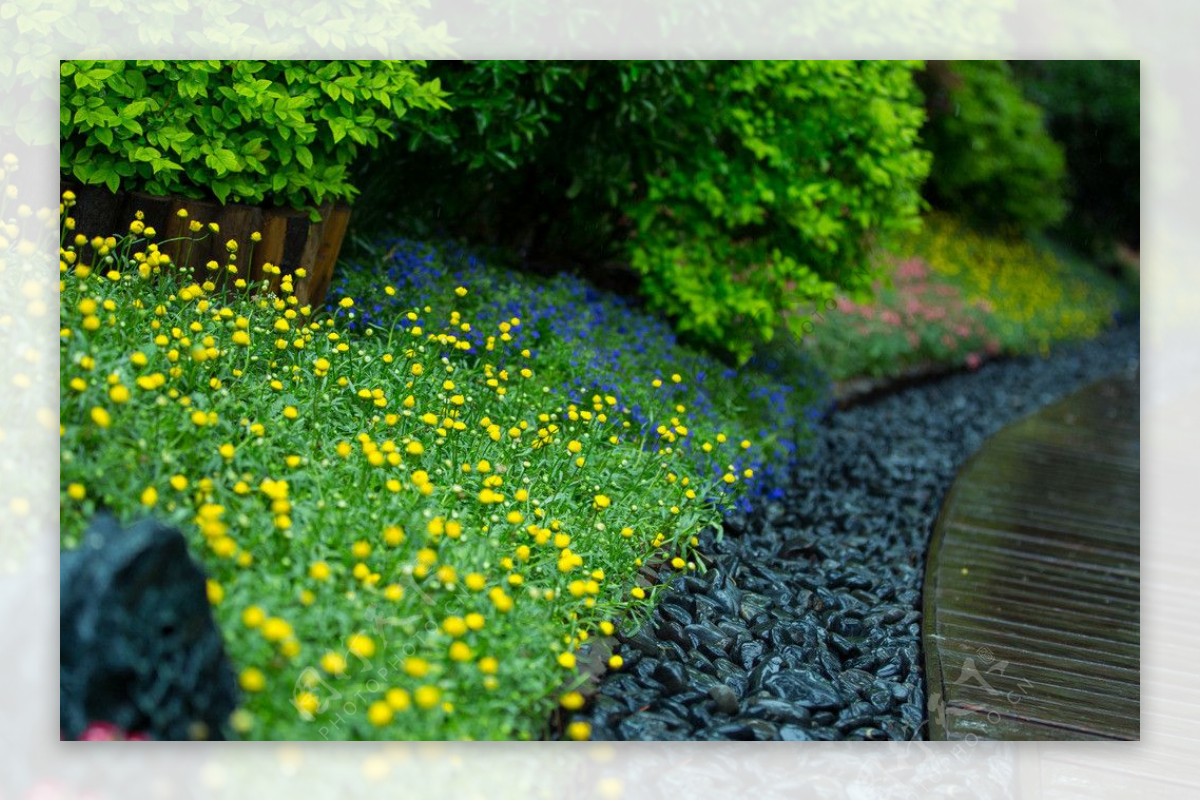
{"x": 973, "y": 361}
{"x": 911, "y": 269}
{"x": 890, "y": 317}
{"x": 102, "y": 731}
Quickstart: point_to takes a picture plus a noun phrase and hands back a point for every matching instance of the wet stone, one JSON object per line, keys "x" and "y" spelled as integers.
{"x": 672, "y": 676}
{"x": 644, "y": 642}
{"x": 793, "y": 733}
{"x": 777, "y": 710}
{"x": 724, "y": 698}
{"x": 812, "y": 600}
{"x": 701, "y": 681}
{"x": 804, "y": 687}
{"x": 750, "y": 653}
{"x": 673, "y": 632}
{"x": 676, "y": 611}
{"x": 653, "y": 726}
{"x": 698, "y": 634}
{"x": 857, "y": 714}
{"x": 770, "y": 666}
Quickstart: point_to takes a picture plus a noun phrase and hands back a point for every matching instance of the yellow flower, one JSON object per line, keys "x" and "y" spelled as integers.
{"x": 101, "y": 417}
{"x": 567, "y": 660}
{"x": 638, "y": 592}
{"x": 290, "y": 412}
{"x": 333, "y": 663}
{"x": 380, "y": 713}
{"x": 602, "y": 501}
{"x": 149, "y": 496}
{"x": 398, "y": 699}
{"x": 579, "y": 730}
{"x": 416, "y": 667}
{"x": 346, "y": 303}
{"x": 571, "y": 701}
{"x": 216, "y": 593}
{"x": 253, "y": 616}
{"x": 460, "y": 651}
{"x": 226, "y": 451}
{"x": 76, "y": 492}
{"x": 500, "y": 600}
{"x": 361, "y": 645}
{"x": 475, "y": 581}
{"x": 276, "y": 629}
{"x": 488, "y": 665}
{"x": 615, "y": 662}
{"x": 427, "y": 696}
{"x": 460, "y": 291}
{"x": 319, "y": 571}
{"x": 454, "y": 626}
{"x": 252, "y": 680}
{"x": 307, "y": 702}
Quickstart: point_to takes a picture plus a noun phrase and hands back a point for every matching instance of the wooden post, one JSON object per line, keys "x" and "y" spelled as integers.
{"x": 290, "y": 239}
{"x": 333, "y": 233}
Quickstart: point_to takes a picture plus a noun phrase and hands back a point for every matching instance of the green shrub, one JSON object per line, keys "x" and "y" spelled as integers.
{"x": 993, "y": 160}
{"x": 739, "y": 191}
{"x": 282, "y": 132}
{"x": 541, "y": 156}
{"x": 787, "y": 174}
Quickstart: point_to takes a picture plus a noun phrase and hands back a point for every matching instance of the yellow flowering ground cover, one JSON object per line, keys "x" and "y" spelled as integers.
{"x": 414, "y": 510}
{"x": 1033, "y": 297}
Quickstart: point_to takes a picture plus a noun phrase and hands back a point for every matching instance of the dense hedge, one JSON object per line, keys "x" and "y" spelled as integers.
{"x": 994, "y": 161}
{"x": 249, "y": 131}
{"x": 1093, "y": 108}
{"x": 741, "y": 192}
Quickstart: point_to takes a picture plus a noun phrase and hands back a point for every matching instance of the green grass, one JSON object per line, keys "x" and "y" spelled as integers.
{"x": 409, "y": 536}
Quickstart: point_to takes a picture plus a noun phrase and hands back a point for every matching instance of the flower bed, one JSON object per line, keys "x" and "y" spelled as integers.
{"x": 958, "y": 297}
{"x": 414, "y": 514}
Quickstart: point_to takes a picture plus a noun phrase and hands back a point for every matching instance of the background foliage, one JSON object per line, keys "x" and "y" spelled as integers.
{"x": 283, "y": 132}
{"x": 1093, "y": 108}
{"x": 994, "y": 161}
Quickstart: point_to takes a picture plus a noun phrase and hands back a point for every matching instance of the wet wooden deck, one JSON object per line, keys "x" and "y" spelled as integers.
{"x": 1031, "y": 618}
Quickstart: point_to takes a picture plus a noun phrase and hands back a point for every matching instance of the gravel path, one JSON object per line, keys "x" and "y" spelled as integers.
{"x": 807, "y": 624}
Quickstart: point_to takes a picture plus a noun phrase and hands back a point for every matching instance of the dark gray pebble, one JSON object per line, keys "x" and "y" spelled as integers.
{"x": 806, "y": 626}
{"x": 725, "y": 699}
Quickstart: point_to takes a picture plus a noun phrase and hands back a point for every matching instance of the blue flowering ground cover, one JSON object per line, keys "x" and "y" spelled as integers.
{"x": 601, "y": 343}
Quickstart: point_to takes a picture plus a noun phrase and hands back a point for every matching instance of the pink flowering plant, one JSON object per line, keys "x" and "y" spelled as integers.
{"x": 913, "y": 321}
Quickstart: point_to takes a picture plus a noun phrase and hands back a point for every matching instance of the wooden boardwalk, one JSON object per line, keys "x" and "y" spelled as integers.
{"x": 1031, "y": 618}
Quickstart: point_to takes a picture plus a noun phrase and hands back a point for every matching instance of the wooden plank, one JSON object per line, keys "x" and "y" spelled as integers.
{"x": 1032, "y": 595}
